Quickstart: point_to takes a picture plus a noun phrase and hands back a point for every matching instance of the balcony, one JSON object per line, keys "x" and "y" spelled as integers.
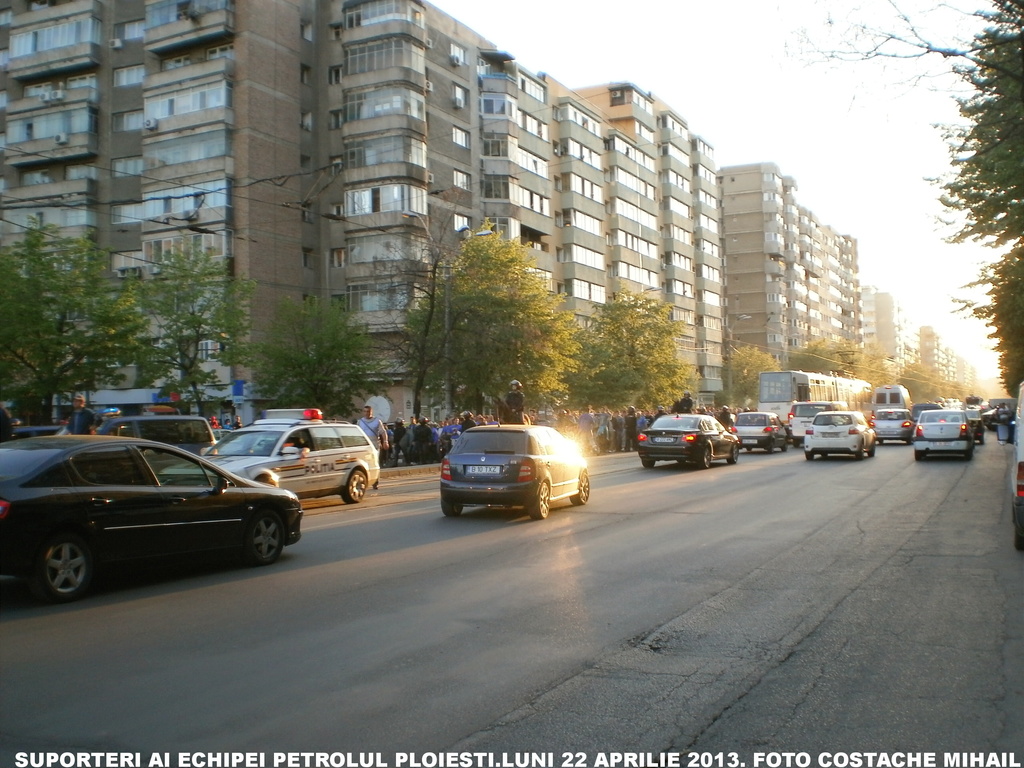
{"x": 190, "y": 26}
{"x": 74, "y": 192}
{"x": 55, "y": 61}
{"x": 383, "y": 29}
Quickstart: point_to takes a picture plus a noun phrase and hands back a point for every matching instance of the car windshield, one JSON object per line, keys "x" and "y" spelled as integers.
{"x": 676, "y": 421}
{"x": 808, "y": 409}
{"x": 255, "y": 442}
{"x": 27, "y": 456}
{"x": 492, "y": 441}
{"x": 941, "y": 417}
{"x": 892, "y": 415}
{"x": 833, "y": 420}
{"x": 751, "y": 420}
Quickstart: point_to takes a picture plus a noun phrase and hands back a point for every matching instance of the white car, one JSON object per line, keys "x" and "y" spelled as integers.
{"x": 302, "y": 452}
{"x": 943, "y": 431}
{"x": 846, "y": 432}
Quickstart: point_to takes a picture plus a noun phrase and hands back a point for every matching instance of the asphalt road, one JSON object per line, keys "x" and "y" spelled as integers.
{"x": 773, "y": 606}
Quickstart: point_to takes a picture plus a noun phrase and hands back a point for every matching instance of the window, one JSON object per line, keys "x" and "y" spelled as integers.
{"x": 59, "y": 35}
{"x": 460, "y": 96}
{"x": 189, "y": 100}
{"x": 130, "y": 30}
{"x": 362, "y": 105}
{"x": 306, "y": 30}
{"x": 386, "y": 149}
{"x": 176, "y": 62}
{"x": 461, "y": 179}
{"x": 129, "y": 75}
{"x": 220, "y": 52}
{"x": 378, "y": 11}
{"x": 385, "y": 198}
{"x": 393, "y": 52}
{"x": 128, "y": 166}
{"x": 128, "y": 213}
{"x": 334, "y": 76}
{"x": 187, "y": 149}
{"x": 460, "y": 136}
{"x": 458, "y": 55}
{"x": 338, "y": 257}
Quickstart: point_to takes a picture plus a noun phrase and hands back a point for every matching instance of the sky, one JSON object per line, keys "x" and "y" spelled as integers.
{"x": 862, "y": 139}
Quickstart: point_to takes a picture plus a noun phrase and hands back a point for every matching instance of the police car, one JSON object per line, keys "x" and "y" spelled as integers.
{"x": 300, "y": 451}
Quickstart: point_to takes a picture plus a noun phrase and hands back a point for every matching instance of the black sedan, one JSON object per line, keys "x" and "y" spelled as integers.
{"x": 70, "y": 503}
{"x": 513, "y": 465}
{"x": 689, "y": 439}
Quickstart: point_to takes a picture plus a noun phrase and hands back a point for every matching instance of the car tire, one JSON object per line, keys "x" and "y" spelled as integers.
{"x": 583, "y": 495}
{"x": 354, "y": 489}
{"x": 859, "y": 453}
{"x": 747, "y": 448}
{"x": 541, "y": 504}
{"x": 734, "y": 455}
{"x": 706, "y": 456}
{"x": 871, "y": 451}
{"x": 909, "y": 442}
{"x": 63, "y": 569}
{"x": 969, "y": 455}
{"x": 449, "y": 509}
{"x": 263, "y": 540}
{"x": 918, "y": 455}
{"x": 785, "y": 446}
{"x": 809, "y": 455}
{"x": 647, "y": 463}
{"x": 1018, "y": 539}
{"x": 770, "y": 448}
{"x": 880, "y": 441}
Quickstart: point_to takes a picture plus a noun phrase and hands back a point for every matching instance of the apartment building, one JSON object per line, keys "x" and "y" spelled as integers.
{"x": 790, "y": 279}
{"x": 886, "y": 326}
{"x": 321, "y": 147}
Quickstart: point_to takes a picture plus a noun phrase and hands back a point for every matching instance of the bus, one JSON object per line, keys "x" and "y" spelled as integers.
{"x": 780, "y": 389}
{"x": 891, "y": 396}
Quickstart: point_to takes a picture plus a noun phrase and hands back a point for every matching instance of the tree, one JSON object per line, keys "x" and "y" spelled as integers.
{"x": 199, "y": 317}
{"x": 743, "y": 375}
{"x": 316, "y": 354}
{"x": 630, "y": 356}
{"x": 66, "y": 327}
{"x": 505, "y": 324}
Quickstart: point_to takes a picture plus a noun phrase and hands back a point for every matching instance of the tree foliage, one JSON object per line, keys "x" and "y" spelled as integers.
{"x": 743, "y": 375}
{"x": 629, "y": 356}
{"x": 199, "y": 316}
{"x": 505, "y": 324}
{"x": 316, "y": 354}
{"x": 66, "y": 328}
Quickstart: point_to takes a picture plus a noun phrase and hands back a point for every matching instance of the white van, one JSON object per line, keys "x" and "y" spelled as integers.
{"x": 802, "y": 414}
{"x": 302, "y": 452}
{"x": 890, "y": 396}
{"x": 1017, "y": 474}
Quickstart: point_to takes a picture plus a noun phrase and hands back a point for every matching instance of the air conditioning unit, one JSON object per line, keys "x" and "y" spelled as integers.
{"x": 150, "y": 123}
{"x": 124, "y": 272}
{"x": 429, "y": 43}
{"x": 430, "y": 178}
{"x": 116, "y": 43}
{"x": 57, "y": 95}
{"x": 45, "y": 96}
{"x": 60, "y": 138}
{"x": 429, "y": 87}
{"x": 456, "y": 60}
{"x": 154, "y": 269}
{"x": 458, "y": 101}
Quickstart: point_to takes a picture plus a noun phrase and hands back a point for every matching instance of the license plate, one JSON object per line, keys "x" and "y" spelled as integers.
{"x": 944, "y": 443}
{"x": 483, "y": 469}
{"x": 830, "y": 434}
{"x": 749, "y": 439}
{"x": 664, "y": 439}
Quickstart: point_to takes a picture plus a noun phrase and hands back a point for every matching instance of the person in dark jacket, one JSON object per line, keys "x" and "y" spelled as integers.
{"x": 515, "y": 403}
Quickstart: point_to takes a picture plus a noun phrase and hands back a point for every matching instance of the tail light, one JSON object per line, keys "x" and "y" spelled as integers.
{"x": 854, "y": 431}
{"x": 641, "y": 438}
{"x": 5, "y": 507}
{"x": 446, "y": 469}
{"x": 907, "y": 424}
{"x": 690, "y": 438}
{"x": 527, "y": 470}
{"x": 919, "y": 432}
{"x": 809, "y": 431}
{"x": 1020, "y": 481}
{"x": 964, "y": 428}
{"x": 767, "y": 430}
{"x": 790, "y": 415}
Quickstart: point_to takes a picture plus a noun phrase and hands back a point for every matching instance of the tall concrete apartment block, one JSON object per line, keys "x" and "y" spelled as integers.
{"x": 790, "y": 280}
{"x": 321, "y": 145}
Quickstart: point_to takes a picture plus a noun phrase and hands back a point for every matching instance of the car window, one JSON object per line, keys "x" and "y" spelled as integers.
{"x": 353, "y": 437}
{"x": 248, "y": 443}
{"x": 174, "y": 431}
{"x": 677, "y": 422}
{"x": 298, "y": 438}
{"x": 493, "y": 441}
{"x": 107, "y": 466}
{"x": 172, "y": 469}
{"x": 941, "y": 417}
{"x": 326, "y": 438}
{"x": 833, "y": 420}
{"x": 808, "y": 409}
{"x": 750, "y": 420}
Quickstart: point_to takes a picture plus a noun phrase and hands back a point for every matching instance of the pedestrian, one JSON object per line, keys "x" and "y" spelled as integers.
{"x": 6, "y": 425}
{"x": 421, "y": 437}
{"x": 374, "y": 429}
{"x": 515, "y": 403}
{"x": 585, "y": 425}
{"x": 82, "y": 420}
{"x": 630, "y": 422}
{"x": 400, "y": 445}
{"x": 683, "y": 404}
{"x": 725, "y": 417}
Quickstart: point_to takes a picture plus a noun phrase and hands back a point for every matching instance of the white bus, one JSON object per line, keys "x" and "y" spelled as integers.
{"x": 890, "y": 396}
{"x": 779, "y": 390}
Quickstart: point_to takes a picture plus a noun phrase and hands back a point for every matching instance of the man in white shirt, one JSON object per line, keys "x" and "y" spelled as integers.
{"x": 377, "y": 432}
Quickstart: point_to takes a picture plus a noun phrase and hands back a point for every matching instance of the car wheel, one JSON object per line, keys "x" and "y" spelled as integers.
{"x": 647, "y": 463}
{"x": 704, "y": 462}
{"x": 541, "y": 505}
{"x": 583, "y": 495}
{"x": 871, "y": 451}
{"x": 918, "y": 455}
{"x": 880, "y": 441}
{"x": 969, "y": 455}
{"x": 785, "y": 446}
{"x": 1018, "y": 539}
{"x": 354, "y": 489}
{"x": 63, "y": 569}
{"x": 981, "y": 439}
{"x": 748, "y": 448}
{"x": 859, "y": 453}
{"x": 770, "y": 448}
{"x": 263, "y": 540}
{"x": 449, "y": 509}
{"x": 734, "y": 455}
{"x": 809, "y": 455}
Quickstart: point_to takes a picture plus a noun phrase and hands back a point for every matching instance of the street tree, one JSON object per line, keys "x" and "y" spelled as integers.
{"x": 630, "y": 356}
{"x": 504, "y": 324}
{"x": 743, "y": 375}
{"x": 199, "y": 322}
{"x": 316, "y": 353}
{"x": 66, "y": 326}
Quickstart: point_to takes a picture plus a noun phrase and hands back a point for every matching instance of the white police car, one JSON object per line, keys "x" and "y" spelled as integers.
{"x": 300, "y": 451}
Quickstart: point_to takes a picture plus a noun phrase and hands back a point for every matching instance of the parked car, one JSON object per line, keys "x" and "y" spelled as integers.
{"x": 943, "y": 431}
{"x": 688, "y": 438}
{"x": 1016, "y": 473}
{"x": 761, "y": 429}
{"x": 513, "y": 465}
{"x": 843, "y": 432}
{"x": 893, "y": 424}
{"x": 191, "y": 433}
{"x": 298, "y": 450}
{"x": 802, "y": 414}
{"x": 70, "y": 504}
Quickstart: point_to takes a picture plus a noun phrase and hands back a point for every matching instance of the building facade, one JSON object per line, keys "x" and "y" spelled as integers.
{"x": 790, "y": 279}
{"x": 319, "y": 147}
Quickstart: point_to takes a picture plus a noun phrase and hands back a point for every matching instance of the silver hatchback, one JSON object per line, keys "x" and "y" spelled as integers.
{"x": 894, "y": 424}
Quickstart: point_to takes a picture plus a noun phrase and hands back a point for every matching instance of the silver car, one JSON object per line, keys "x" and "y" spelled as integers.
{"x": 943, "y": 431}
{"x": 894, "y": 424}
{"x": 839, "y": 432}
{"x": 761, "y": 429}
